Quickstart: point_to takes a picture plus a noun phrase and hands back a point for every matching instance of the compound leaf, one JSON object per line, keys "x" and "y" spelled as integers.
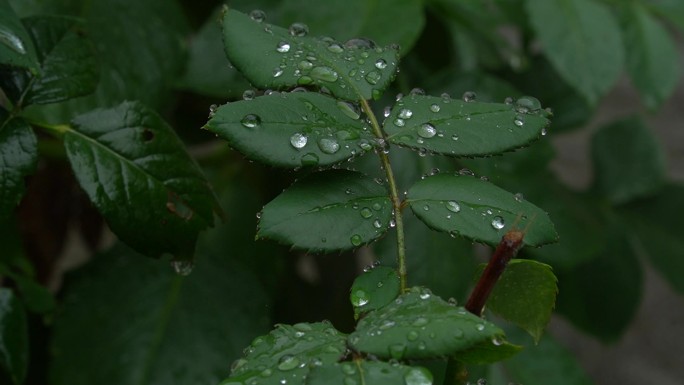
{"x": 346, "y": 208}
{"x": 135, "y": 170}
{"x": 13, "y": 338}
{"x": 274, "y": 57}
{"x": 477, "y": 209}
{"x": 286, "y": 354}
{"x": 582, "y": 40}
{"x": 368, "y": 372}
{"x": 459, "y": 128}
{"x": 374, "y": 289}
{"x": 293, "y": 129}
{"x": 419, "y": 325}
{"x": 16, "y": 47}
{"x": 18, "y": 156}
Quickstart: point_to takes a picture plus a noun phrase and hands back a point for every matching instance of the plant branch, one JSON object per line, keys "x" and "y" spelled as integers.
{"x": 394, "y": 195}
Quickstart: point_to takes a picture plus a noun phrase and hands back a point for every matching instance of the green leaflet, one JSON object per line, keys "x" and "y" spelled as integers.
{"x": 582, "y": 40}
{"x": 477, "y": 209}
{"x": 16, "y": 47}
{"x": 121, "y": 157}
{"x": 293, "y": 129}
{"x": 525, "y": 295}
{"x": 419, "y": 325}
{"x": 18, "y": 156}
{"x": 373, "y": 289}
{"x": 14, "y": 349}
{"x": 273, "y": 57}
{"x": 464, "y": 128}
{"x": 368, "y": 372}
{"x": 285, "y": 355}
{"x": 346, "y": 209}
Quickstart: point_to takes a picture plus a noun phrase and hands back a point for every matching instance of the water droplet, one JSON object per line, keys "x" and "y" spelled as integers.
{"x": 212, "y": 110}
{"x": 373, "y": 77}
{"x": 277, "y": 72}
{"x": 454, "y": 137}
{"x": 527, "y": 104}
{"x": 359, "y": 297}
{"x": 251, "y": 121}
{"x": 248, "y": 95}
{"x": 298, "y": 140}
{"x": 283, "y": 47}
{"x": 452, "y": 301}
{"x": 481, "y": 381}
{"x": 420, "y": 321}
{"x": 380, "y": 64}
{"x": 424, "y": 295}
{"x": 412, "y": 335}
{"x": 365, "y": 145}
{"x": 305, "y": 65}
{"x": 356, "y": 240}
{"x": 453, "y": 206}
{"x": 288, "y": 362}
{"x": 519, "y": 197}
{"x": 445, "y": 97}
{"x": 258, "y": 15}
{"x": 324, "y": 73}
{"x": 360, "y": 42}
{"x": 405, "y": 113}
{"x": 349, "y": 109}
{"x": 348, "y": 368}
{"x": 328, "y": 145}
{"x": 182, "y": 267}
{"x": 498, "y": 222}
{"x": 469, "y": 96}
{"x": 266, "y": 373}
{"x": 299, "y": 29}
{"x": 435, "y": 108}
{"x": 309, "y": 159}
{"x": 335, "y": 47}
{"x": 237, "y": 364}
{"x": 366, "y": 212}
{"x": 466, "y": 172}
{"x": 399, "y": 122}
{"x": 543, "y": 131}
{"x": 397, "y": 351}
{"x": 377, "y": 224}
{"x": 519, "y": 120}
{"x": 304, "y": 80}
{"x": 427, "y": 131}
{"x": 418, "y": 376}
{"x": 480, "y": 327}
{"x": 496, "y": 341}
{"x": 392, "y": 223}
{"x": 417, "y": 91}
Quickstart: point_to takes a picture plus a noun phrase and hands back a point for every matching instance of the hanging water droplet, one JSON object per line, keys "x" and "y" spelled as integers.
{"x": 324, "y": 73}
{"x": 299, "y": 29}
{"x": 498, "y": 222}
{"x": 469, "y": 96}
{"x": 258, "y": 15}
{"x": 335, "y": 47}
{"x": 427, "y": 131}
{"x": 380, "y": 64}
{"x": 328, "y": 145}
{"x": 373, "y": 77}
{"x": 527, "y": 104}
{"x": 543, "y": 131}
{"x": 399, "y": 122}
{"x": 519, "y": 120}
{"x": 453, "y": 206}
{"x": 283, "y": 47}
{"x": 251, "y": 121}
{"x": 349, "y": 109}
{"x": 248, "y": 95}
{"x": 277, "y": 72}
{"x": 435, "y": 108}
{"x": 519, "y": 197}
{"x": 359, "y": 297}
{"x": 288, "y": 362}
{"x": 392, "y": 223}
{"x": 418, "y": 376}
{"x": 298, "y": 140}
{"x": 212, "y": 110}
{"x": 386, "y": 111}
{"x": 405, "y": 113}
{"x": 356, "y": 240}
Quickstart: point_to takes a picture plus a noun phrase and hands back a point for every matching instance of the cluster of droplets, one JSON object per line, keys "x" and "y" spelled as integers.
{"x": 368, "y": 213}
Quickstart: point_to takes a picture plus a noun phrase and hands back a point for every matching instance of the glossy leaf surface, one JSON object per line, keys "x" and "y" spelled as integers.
{"x": 368, "y": 372}
{"x": 459, "y": 128}
{"x": 285, "y": 355}
{"x": 16, "y": 47}
{"x": 18, "y": 156}
{"x": 525, "y": 295}
{"x": 14, "y": 340}
{"x": 346, "y": 208}
{"x": 476, "y": 209}
{"x": 128, "y": 157}
{"x": 163, "y": 328}
{"x": 293, "y": 129}
{"x": 419, "y": 325}
{"x": 273, "y": 57}
{"x": 582, "y": 40}
{"x": 374, "y": 289}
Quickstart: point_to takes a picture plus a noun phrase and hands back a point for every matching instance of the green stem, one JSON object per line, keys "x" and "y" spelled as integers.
{"x": 394, "y": 195}
{"x": 56, "y": 130}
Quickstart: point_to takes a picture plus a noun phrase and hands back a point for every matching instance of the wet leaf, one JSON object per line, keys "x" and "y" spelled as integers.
{"x": 293, "y": 129}
{"x": 14, "y": 349}
{"x": 287, "y": 353}
{"x": 374, "y": 289}
{"x": 127, "y": 156}
{"x": 346, "y": 208}
{"x": 18, "y": 156}
{"x": 477, "y": 209}
{"x": 16, "y": 47}
{"x": 368, "y": 372}
{"x": 271, "y": 57}
{"x": 459, "y": 128}
{"x": 420, "y": 325}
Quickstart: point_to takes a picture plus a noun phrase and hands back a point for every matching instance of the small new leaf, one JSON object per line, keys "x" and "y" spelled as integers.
{"x": 273, "y": 57}
{"x": 374, "y": 289}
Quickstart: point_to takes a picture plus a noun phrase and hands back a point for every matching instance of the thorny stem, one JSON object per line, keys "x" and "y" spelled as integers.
{"x": 394, "y": 195}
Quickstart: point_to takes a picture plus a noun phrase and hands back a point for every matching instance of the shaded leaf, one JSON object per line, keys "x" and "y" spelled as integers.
{"x": 286, "y": 354}
{"x": 368, "y": 372}
{"x": 420, "y": 325}
{"x": 652, "y": 58}
{"x": 18, "y": 157}
{"x": 122, "y": 158}
{"x": 477, "y": 209}
{"x": 14, "y": 349}
{"x": 525, "y": 295}
{"x": 456, "y": 127}
{"x": 162, "y": 328}
{"x": 293, "y": 129}
{"x": 346, "y": 208}
{"x": 628, "y": 161}
{"x": 16, "y": 47}
{"x": 582, "y": 40}
{"x": 374, "y": 289}
{"x": 270, "y": 57}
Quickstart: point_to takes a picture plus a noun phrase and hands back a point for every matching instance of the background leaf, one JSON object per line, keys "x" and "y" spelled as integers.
{"x": 18, "y": 157}
{"x": 161, "y": 327}
{"x": 582, "y": 40}
{"x": 14, "y": 344}
{"x": 346, "y": 208}
{"x": 460, "y": 128}
{"x": 293, "y": 129}
{"x": 476, "y": 209}
{"x": 16, "y": 47}
{"x": 270, "y": 57}
{"x": 373, "y": 289}
{"x": 121, "y": 158}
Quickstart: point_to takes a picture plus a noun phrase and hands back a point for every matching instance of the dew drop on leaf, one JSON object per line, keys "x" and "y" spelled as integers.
{"x": 277, "y": 72}
{"x": 498, "y": 222}
{"x": 405, "y": 113}
{"x": 324, "y": 73}
{"x": 258, "y": 15}
{"x": 453, "y": 206}
{"x": 304, "y": 80}
{"x": 348, "y": 369}
{"x": 377, "y": 224}
{"x": 480, "y": 327}
{"x": 380, "y": 64}
{"x": 399, "y": 122}
{"x": 373, "y": 77}
{"x": 288, "y": 362}
{"x": 418, "y": 376}
{"x": 359, "y": 297}
{"x": 366, "y": 212}
{"x": 519, "y": 120}
{"x": 299, "y": 29}
{"x": 349, "y": 109}
{"x": 519, "y": 197}
{"x": 248, "y": 95}
{"x": 365, "y": 145}
{"x": 328, "y": 145}
{"x": 427, "y": 131}
{"x": 298, "y": 140}
{"x": 454, "y": 137}
{"x": 417, "y": 91}
{"x": 309, "y": 159}
{"x": 356, "y": 240}
{"x": 305, "y": 65}
{"x": 435, "y": 108}
{"x": 527, "y": 104}
{"x": 335, "y": 47}
{"x": 251, "y": 121}
{"x": 412, "y": 335}
{"x": 283, "y": 47}
{"x": 469, "y": 96}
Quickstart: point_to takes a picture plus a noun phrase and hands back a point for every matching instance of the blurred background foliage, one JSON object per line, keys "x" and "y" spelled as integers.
{"x": 119, "y": 318}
